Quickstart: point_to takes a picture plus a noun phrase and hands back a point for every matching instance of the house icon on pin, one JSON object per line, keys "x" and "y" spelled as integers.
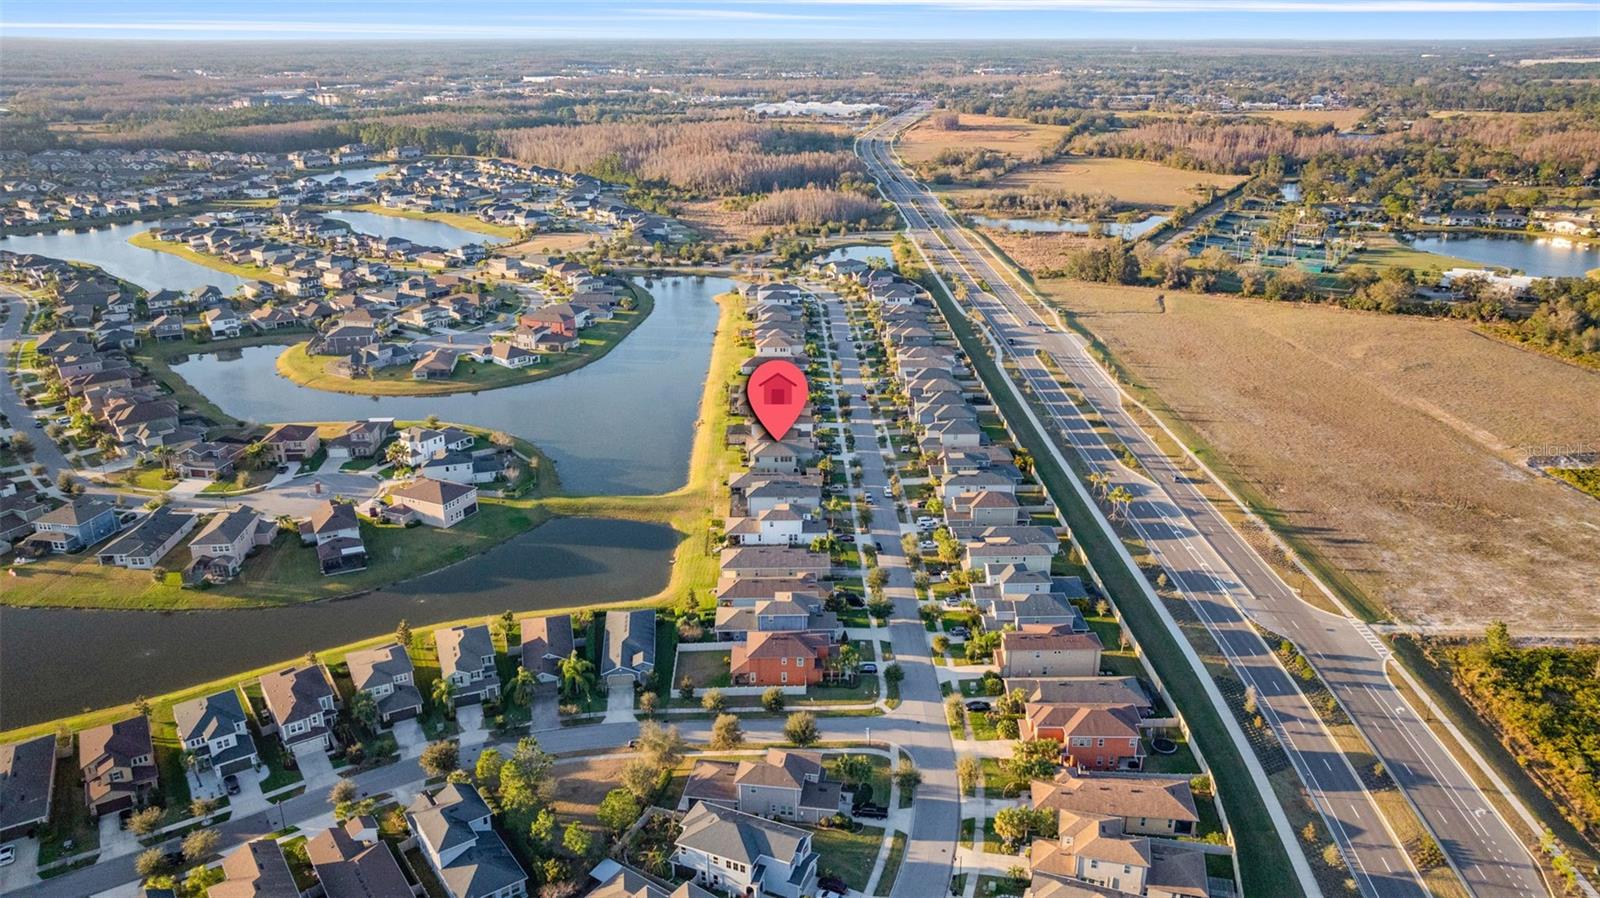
{"x": 777, "y": 390}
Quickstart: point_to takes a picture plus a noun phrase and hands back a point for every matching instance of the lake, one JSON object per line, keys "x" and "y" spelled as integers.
{"x": 416, "y": 230}
{"x": 56, "y": 662}
{"x": 1538, "y": 256}
{"x": 623, "y": 424}
{"x": 108, "y": 247}
{"x": 859, "y": 252}
{"x": 1130, "y": 231}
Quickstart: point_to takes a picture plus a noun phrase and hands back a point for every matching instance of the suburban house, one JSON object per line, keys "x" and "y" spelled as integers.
{"x": 742, "y": 854}
{"x": 361, "y": 439}
{"x": 774, "y": 561}
{"x": 786, "y": 612}
{"x": 336, "y": 532}
{"x": 629, "y": 652}
{"x": 466, "y": 659}
{"x": 1149, "y": 805}
{"x": 455, "y": 832}
{"x": 292, "y": 442}
{"x": 208, "y": 461}
{"x": 619, "y": 881}
{"x": 768, "y": 658}
{"x": 300, "y": 702}
{"x": 424, "y": 442}
{"x": 1048, "y": 652}
{"x": 223, "y": 322}
{"x": 546, "y": 641}
{"x": 784, "y": 783}
{"x": 256, "y": 870}
{"x": 508, "y": 355}
{"x": 218, "y": 551}
{"x": 1099, "y": 737}
{"x": 27, "y": 781}
{"x": 81, "y": 522}
{"x": 352, "y": 862}
{"x": 439, "y": 503}
{"x": 150, "y": 540}
{"x": 1094, "y": 848}
{"x": 118, "y": 763}
{"x": 216, "y": 730}
{"x": 386, "y": 673}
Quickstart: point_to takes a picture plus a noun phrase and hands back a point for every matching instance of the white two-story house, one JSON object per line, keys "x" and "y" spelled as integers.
{"x": 740, "y": 854}
{"x": 466, "y": 659}
{"x": 455, "y": 831}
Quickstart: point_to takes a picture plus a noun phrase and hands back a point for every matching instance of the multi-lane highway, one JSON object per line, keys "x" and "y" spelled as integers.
{"x": 1229, "y": 586}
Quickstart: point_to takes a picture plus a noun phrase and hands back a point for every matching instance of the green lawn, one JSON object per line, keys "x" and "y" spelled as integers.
{"x": 69, "y": 821}
{"x": 153, "y": 478}
{"x": 704, "y": 669}
{"x": 891, "y": 866}
{"x": 849, "y": 856}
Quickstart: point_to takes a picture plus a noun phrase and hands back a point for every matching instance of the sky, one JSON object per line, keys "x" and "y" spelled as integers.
{"x": 801, "y": 19}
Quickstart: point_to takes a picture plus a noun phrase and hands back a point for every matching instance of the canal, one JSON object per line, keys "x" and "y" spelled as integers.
{"x": 57, "y": 662}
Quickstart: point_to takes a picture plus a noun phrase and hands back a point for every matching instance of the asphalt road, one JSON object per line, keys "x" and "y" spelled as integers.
{"x": 1229, "y": 586}
{"x": 45, "y": 451}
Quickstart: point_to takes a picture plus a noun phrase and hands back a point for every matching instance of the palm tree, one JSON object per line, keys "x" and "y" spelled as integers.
{"x": 364, "y": 708}
{"x": 1120, "y": 500}
{"x": 1100, "y": 480}
{"x": 163, "y": 454}
{"x": 521, "y": 688}
{"x": 254, "y": 454}
{"x": 444, "y": 694}
{"x": 577, "y": 675}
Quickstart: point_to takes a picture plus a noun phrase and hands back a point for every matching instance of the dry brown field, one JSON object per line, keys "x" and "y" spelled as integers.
{"x": 552, "y": 243}
{"x": 1391, "y": 445}
{"x": 712, "y": 219}
{"x": 1013, "y": 136}
{"x": 1036, "y": 251}
{"x": 1339, "y": 118}
{"x": 580, "y": 786}
{"x": 1132, "y": 182}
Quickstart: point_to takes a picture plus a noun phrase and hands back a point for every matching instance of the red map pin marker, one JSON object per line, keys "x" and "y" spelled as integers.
{"x": 778, "y": 393}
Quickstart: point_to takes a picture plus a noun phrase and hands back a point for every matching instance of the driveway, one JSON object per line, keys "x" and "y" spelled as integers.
{"x": 20, "y": 872}
{"x": 409, "y": 738}
{"x": 250, "y": 800}
{"x": 315, "y": 767}
{"x": 545, "y": 714}
{"x": 619, "y": 700}
{"x": 114, "y": 840}
{"x": 470, "y": 718}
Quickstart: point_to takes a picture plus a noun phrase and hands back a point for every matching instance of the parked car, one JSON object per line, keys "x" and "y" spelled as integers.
{"x": 868, "y": 667}
{"x": 8, "y": 853}
{"x": 888, "y": 492}
{"x": 961, "y": 632}
{"x": 978, "y": 704}
{"x": 872, "y": 812}
{"x": 928, "y": 545}
{"x": 231, "y": 783}
{"x": 927, "y": 521}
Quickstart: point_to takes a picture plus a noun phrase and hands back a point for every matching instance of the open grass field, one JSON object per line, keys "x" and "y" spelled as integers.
{"x": 713, "y": 219}
{"x": 316, "y": 371}
{"x": 581, "y": 784}
{"x": 1339, "y": 118}
{"x": 554, "y": 243}
{"x": 1395, "y": 449}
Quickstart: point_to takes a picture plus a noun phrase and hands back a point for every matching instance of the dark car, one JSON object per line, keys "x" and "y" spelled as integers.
{"x": 872, "y": 812}
{"x": 231, "y": 783}
{"x": 174, "y": 859}
{"x": 978, "y": 704}
{"x": 868, "y": 668}
{"x": 962, "y": 632}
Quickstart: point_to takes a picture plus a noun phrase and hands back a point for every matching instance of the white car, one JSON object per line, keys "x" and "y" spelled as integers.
{"x": 928, "y": 545}
{"x": 927, "y": 522}
{"x": 888, "y": 493}
{"x": 8, "y": 853}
